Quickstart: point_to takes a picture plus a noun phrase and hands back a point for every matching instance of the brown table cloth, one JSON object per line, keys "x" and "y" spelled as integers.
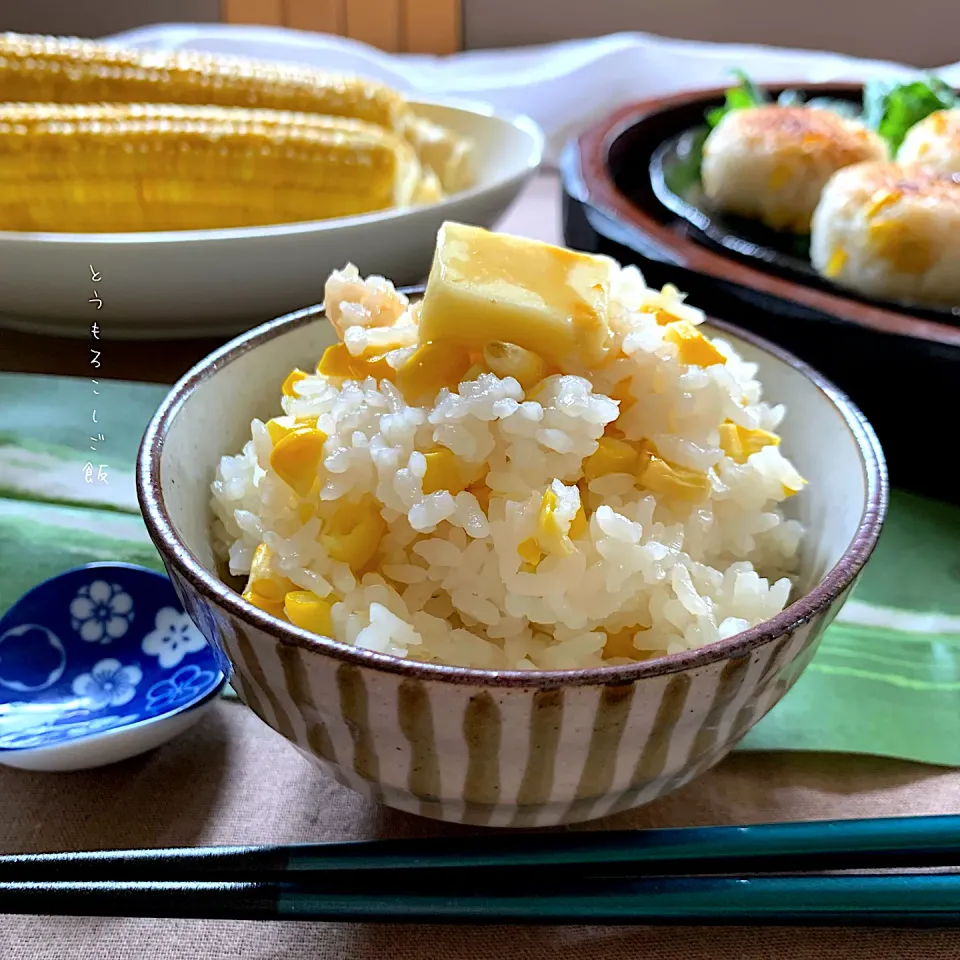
{"x": 233, "y": 780}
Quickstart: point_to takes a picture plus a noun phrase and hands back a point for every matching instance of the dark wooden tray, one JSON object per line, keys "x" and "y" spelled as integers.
{"x": 902, "y": 370}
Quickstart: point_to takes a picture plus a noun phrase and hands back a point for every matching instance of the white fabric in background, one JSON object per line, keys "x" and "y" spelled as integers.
{"x": 562, "y": 86}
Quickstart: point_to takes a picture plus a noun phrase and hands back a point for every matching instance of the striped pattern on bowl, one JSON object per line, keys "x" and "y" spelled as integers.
{"x": 508, "y": 756}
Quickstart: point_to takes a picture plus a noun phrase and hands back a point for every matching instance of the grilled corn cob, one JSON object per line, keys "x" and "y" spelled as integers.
{"x": 119, "y": 168}
{"x": 69, "y": 70}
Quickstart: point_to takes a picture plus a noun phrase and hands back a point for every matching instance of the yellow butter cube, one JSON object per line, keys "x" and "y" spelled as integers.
{"x": 306, "y": 610}
{"x": 740, "y": 443}
{"x": 297, "y": 457}
{"x": 695, "y": 349}
{"x": 485, "y": 287}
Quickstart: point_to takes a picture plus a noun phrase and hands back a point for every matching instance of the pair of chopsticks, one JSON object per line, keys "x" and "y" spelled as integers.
{"x": 770, "y": 874}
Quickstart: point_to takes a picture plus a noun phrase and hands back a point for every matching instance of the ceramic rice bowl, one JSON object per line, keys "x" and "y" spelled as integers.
{"x": 517, "y": 749}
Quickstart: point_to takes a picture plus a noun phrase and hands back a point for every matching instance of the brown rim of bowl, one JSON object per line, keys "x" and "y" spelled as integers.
{"x": 596, "y": 186}
{"x": 801, "y": 611}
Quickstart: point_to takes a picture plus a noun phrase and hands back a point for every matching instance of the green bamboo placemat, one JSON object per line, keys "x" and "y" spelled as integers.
{"x": 885, "y": 681}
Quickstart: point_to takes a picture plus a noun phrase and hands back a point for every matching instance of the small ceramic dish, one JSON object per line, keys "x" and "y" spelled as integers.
{"x": 199, "y": 283}
{"x": 97, "y": 665}
{"x": 524, "y": 748}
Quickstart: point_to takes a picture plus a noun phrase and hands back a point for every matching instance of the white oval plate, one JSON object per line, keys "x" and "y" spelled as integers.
{"x": 197, "y": 283}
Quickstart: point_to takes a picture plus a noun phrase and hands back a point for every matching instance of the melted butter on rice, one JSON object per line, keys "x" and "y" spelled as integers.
{"x": 604, "y": 508}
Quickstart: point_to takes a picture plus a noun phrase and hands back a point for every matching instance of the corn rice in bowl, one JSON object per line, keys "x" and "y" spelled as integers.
{"x": 585, "y": 494}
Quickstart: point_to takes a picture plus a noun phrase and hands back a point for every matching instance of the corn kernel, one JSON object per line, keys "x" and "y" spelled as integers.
{"x": 279, "y": 427}
{"x": 621, "y": 645}
{"x": 306, "y": 511}
{"x": 646, "y": 454}
{"x": 663, "y": 317}
{"x": 904, "y": 250}
{"x": 621, "y": 392}
{"x": 263, "y": 581}
{"x": 780, "y": 177}
{"x": 836, "y": 263}
{"x": 481, "y": 493}
{"x": 529, "y": 552}
{"x": 740, "y": 444}
{"x": 673, "y": 480}
{"x": 297, "y": 457}
{"x": 509, "y": 360}
{"x": 551, "y": 530}
{"x": 293, "y": 378}
{"x": 794, "y": 485}
{"x": 445, "y": 471}
{"x": 306, "y": 610}
{"x": 273, "y": 607}
{"x": 337, "y": 362}
{"x": 880, "y": 201}
{"x": 432, "y": 367}
{"x": 694, "y": 347}
{"x": 353, "y": 533}
{"x": 578, "y": 525}
{"x": 611, "y": 456}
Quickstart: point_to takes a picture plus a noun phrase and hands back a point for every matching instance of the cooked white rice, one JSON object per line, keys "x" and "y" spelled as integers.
{"x": 448, "y": 585}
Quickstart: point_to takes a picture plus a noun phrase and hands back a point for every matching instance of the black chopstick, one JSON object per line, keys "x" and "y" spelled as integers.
{"x": 781, "y": 848}
{"x": 918, "y": 900}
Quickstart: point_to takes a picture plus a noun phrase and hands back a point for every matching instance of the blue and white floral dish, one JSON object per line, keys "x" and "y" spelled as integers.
{"x": 98, "y": 665}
